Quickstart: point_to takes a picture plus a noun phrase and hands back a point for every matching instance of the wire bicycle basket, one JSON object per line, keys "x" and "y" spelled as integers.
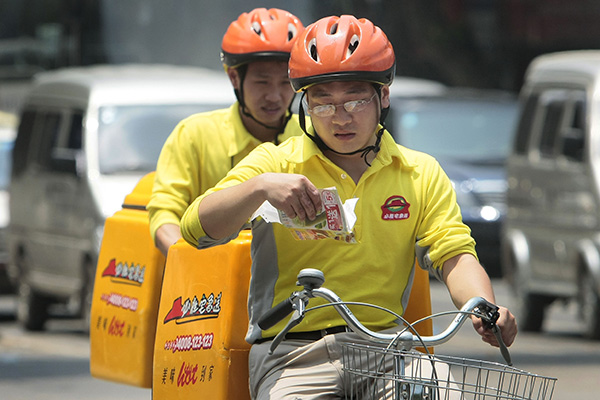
{"x": 373, "y": 372}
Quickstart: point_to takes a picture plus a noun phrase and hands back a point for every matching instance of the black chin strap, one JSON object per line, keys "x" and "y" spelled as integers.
{"x": 279, "y": 128}
{"x": 364, "y": 151}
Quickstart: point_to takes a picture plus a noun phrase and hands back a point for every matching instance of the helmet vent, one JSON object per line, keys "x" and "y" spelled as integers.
{"x": 312, "y": 48}
{"x": 333, "y": 29}
{"x": 292, "y": 31}
{"x": 353, "y": 45}
{"x": 256, "y": 28}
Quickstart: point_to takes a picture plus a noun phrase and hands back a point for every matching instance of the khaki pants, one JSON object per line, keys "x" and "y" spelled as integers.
{"x": 308, "y": 370}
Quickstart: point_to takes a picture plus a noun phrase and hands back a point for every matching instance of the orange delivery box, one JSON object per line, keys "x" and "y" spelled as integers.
{"x": 200, "y": 349}
{"x": 126, "y": 292}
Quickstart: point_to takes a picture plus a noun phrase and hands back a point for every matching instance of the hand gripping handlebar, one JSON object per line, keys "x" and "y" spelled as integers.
{"x": 312, "y": 279}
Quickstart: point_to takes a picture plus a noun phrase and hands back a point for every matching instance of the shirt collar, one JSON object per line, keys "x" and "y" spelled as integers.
{"x": 390, "y": 150}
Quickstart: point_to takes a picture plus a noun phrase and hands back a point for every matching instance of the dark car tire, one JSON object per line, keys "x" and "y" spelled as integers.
{"x": 530, "y": 307}
{"x": 589, "y": 306}
{"x": 32, "y": 308}
{"x": 87, "y": 293}
{"x": 531, "y": 310}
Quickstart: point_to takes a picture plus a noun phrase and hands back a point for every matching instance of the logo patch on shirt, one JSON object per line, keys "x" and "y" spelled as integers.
{"x": 395, "y": 208}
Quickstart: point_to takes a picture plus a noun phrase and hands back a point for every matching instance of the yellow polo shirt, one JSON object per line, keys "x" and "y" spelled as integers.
{"x": 199, "y": 152}
{"x": 405, "y": 203}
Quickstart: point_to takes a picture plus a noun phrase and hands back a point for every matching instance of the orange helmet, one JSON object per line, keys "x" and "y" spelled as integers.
{"x": 341, "y": 48}
{"x": 260, "y": 34}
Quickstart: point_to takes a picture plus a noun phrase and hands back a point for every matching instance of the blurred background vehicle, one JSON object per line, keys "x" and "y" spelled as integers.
{"x": 86, "y": 136}
{"x": 469, "y": 132}
{"x": 551, "y": 238}
{"x": 8, "y": 131}
{"x": 462, "y": 43}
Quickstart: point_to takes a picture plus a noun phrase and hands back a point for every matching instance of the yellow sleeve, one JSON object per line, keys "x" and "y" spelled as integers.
{"x": 442, "y": 233}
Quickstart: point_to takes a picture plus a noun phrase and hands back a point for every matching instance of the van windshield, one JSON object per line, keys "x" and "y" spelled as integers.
{"x": 131, "y": 137}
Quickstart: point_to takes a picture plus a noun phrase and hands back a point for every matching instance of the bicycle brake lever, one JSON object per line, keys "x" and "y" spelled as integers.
{"x": 295, "y": 319}
{"x": 503, "y": 349}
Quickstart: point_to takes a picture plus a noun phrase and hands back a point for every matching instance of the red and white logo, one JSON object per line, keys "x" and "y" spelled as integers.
{"x": 132, "y": 274}
{"x": 193, "y": 309}
{"x": 395, "y": 208}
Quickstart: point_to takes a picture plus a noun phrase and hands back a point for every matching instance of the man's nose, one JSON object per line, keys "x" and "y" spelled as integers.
{"x": 341, "y": 116}
{"x": 275, "y": 92}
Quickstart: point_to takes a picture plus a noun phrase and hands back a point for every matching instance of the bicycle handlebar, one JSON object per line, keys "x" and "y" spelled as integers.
{"x": 405, "y": 340}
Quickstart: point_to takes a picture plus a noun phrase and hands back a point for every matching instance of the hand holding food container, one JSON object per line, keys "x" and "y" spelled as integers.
{"x": 335, "y": 220}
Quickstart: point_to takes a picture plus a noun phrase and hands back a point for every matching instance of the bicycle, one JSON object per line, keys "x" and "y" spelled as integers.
{"x": 393, "y": 369}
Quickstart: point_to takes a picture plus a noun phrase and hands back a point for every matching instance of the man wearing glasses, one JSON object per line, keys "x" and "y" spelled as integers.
{"x": 343, "y": 66}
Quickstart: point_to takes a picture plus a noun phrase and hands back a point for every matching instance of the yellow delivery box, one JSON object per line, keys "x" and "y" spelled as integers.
{"x": 126, "y": 294}
{"x": 200, "y": 350}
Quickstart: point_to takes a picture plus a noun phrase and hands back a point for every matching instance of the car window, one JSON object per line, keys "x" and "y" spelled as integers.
{"x": 22, "y": 142}
{"x": 573, "y": 135}
{"x": 49, "y": 135}
{"x": 5, "y": 162}
{"x": 525, "y": 125}
{"x": 74, "y": 139}
{"x": 476, "y": 131}
{"x": 131, "y": 137}
{"x": 553, "y": 109}
{"x": 67, "y": 143}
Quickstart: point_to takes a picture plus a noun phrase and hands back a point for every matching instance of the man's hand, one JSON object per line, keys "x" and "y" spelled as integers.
{"x": 293, "y": 194}
{"x": 225, "y": 211}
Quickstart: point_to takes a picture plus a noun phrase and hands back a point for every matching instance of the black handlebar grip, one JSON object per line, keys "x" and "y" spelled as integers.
{"x": 276, "y": 314}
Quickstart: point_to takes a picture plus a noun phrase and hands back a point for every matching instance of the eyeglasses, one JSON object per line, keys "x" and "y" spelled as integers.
{"x": 327, "y": 110}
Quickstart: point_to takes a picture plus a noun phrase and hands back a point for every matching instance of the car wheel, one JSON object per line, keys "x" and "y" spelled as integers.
{"x": 32, "y": 308}
{"x": 530, "y": 308}
{"x": 589, "y": 306}
{"x": 87, "y": 293}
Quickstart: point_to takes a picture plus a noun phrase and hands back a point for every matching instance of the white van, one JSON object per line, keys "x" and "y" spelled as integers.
{"x": 551, "y": 235}
{"x": 86, "y": 136}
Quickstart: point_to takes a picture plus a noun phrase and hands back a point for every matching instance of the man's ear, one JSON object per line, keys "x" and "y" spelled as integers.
{"x": 234, "y": 77}
{"x": 385, "y": 96}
